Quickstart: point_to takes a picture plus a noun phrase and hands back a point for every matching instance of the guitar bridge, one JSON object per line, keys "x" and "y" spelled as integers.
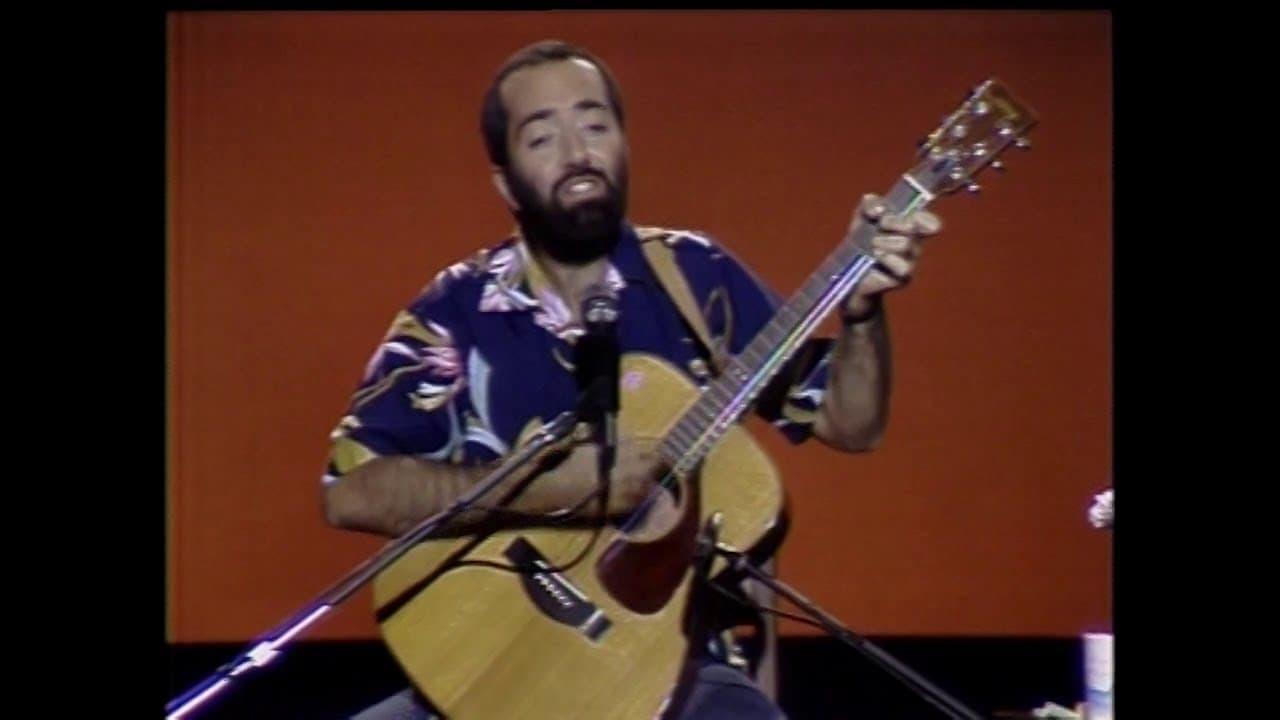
{"x": 553, "y": 594}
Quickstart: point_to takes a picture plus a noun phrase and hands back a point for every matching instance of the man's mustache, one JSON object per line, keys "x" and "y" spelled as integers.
{"x": 584, "y": 172}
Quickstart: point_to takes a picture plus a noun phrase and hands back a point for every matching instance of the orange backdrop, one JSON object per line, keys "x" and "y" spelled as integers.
{"x": 323, "y": 166}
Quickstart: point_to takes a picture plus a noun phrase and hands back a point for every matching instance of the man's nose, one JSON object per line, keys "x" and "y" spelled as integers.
{"x": 574, "y": 149}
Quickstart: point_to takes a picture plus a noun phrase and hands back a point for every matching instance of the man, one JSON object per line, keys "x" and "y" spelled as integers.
{"x": 488, "y": 346}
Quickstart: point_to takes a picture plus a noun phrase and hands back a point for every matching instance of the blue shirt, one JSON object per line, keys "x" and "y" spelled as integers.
{"x": 485, "y": 351}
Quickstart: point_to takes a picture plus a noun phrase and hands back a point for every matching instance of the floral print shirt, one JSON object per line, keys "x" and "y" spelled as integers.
{"x": 485, "y": 350}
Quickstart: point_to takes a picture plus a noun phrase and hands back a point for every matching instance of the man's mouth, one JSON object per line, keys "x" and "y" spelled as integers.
{"x": 582, "y": 186}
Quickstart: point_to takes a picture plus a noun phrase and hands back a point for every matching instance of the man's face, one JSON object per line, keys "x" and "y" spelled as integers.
{"x": 568, "y": 160}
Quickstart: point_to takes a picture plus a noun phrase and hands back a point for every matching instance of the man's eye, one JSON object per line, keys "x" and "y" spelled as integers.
{"x": 539, "y": 141}
{"x": 598, "y": 127}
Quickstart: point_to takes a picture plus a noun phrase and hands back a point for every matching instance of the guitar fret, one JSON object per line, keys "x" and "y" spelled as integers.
{"x": 682, "y": 435}
{"x": 811, "y": 293}
{"x": 719, "y": 393}
{"x": 836, "y": 262}
{"x": 754, "y": 349}
{"x": 709, "y": 403}
{"x": 822, "y": 276}
{"x": 846, "y": 253}
{"x": 703, "y": 413}
{"x": 771, "y": 336}
{"x": 671, "y": 451}
{"x": 737, "y": 372}
{"x": 774, "y": 330}
{"x": 709, "y": 441}
{"x": 690, "y": 427}
{"x": 697, "y": 415}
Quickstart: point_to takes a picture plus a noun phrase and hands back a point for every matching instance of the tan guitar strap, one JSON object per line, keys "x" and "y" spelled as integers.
{"x": 662, "y": 259}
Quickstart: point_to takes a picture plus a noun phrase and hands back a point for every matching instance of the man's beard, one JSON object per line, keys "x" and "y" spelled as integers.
{"x": 575, "y": 236}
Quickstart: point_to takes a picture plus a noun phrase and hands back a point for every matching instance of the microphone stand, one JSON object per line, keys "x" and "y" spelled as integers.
{"x": 267, "y": 647}
{"x": 739, "y": 562}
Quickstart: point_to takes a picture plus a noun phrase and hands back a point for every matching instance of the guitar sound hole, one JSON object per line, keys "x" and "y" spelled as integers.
{"x": 653, "y": 516}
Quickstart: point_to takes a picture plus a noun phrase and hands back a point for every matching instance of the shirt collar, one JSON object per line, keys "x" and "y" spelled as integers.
{"x": 516, "y": 282}
{"x": 628, "y": 259}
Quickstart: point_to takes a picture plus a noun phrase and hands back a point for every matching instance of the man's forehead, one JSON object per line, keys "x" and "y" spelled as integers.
{"x": 574, "y": 79}
{"x": 585, "y": 65}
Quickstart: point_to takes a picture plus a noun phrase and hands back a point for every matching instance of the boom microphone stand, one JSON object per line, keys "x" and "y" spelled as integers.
{"x": 739, "y": 562}
{"x": 268, "y": 646}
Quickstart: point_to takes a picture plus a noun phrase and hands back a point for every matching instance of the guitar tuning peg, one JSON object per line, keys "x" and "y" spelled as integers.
{"x": 1022, "y": 144}
{"x": 973, "y": 187}
{"x": 997, "y": 165}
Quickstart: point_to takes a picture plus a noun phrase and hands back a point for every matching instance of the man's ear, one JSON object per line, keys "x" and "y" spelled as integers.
{"x": 500, "y": 184}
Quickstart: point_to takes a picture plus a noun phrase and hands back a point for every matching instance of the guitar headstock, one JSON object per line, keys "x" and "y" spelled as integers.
{"x": 969, "y": 139}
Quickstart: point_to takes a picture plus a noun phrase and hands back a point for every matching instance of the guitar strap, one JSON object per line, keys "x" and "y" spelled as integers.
{"x": 662, "y": 260}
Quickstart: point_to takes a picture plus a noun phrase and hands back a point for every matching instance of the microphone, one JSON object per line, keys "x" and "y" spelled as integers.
{"x": 600, "y": 309}
{"x": 596, "y": 360}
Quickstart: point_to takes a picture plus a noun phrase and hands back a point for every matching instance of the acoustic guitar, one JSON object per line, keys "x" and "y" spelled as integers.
{"x": 590, "y": 622}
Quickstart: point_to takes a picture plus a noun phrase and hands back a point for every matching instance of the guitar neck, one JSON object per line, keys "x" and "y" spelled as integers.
{"x": 732, "y": 393}
{"x": 988, "y": 121}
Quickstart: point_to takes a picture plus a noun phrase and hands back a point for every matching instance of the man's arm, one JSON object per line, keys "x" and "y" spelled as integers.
{"x": 855, "y": 407}
{"x": 854, "y": 410}
{"x": 390, "y": 495}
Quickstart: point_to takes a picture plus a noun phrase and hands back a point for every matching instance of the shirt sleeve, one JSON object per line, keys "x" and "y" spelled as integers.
{"x": 410, "y": 399}
{"x": 790, "y": 401}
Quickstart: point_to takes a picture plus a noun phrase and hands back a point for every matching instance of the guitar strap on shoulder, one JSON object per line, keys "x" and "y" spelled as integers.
{"x": 662, "y": 259}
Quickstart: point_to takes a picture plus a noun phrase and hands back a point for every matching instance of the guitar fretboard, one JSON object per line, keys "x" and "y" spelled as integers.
{"x": 745, "y": 375}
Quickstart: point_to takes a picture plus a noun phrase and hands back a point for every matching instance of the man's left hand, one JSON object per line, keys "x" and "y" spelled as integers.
{"x": 896, "y": 246}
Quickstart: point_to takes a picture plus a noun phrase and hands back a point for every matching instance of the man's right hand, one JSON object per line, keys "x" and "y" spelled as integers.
{"x": 636, "y": 471}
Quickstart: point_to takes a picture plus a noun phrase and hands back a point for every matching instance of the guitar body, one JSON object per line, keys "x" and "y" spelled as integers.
{"x": 603, "y": 639}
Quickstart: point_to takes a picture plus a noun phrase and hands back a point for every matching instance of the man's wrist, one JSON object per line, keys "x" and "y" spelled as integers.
{"x": 873, "y": 311}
